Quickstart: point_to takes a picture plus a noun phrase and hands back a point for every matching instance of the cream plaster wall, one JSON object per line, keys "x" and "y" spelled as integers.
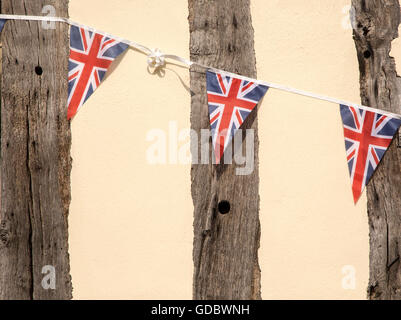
{"x": 131, "y": 222}
{"x": 310, "y": 226}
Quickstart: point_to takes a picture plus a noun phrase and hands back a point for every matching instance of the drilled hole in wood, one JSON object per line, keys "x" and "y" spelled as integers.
{"x": 38, "y": 70}
{"x": 224, "y": 207}
{"x": 367, "y": 54}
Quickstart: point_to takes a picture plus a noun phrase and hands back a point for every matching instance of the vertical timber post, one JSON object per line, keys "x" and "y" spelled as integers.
{"x": 225, "y": 246}
{"x": 375, "y": 27}
{"x": 35, "y": 153}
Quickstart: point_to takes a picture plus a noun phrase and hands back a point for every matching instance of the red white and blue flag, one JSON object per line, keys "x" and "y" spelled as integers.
{"x": 230, "y": 101}
{"x": 367, "y": 137}
{"x": 91, "y": 54}
{"x": 2, "y": 23}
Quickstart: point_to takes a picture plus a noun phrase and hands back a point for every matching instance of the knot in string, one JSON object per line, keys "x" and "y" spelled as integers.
{"x": 156, "y": 59}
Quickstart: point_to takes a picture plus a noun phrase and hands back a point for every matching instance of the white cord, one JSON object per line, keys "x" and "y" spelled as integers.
{"x": 73, "y": 23}
{"x": 156, "y": 59}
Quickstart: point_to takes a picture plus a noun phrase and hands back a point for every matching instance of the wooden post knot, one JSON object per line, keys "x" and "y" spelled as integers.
{"x": 4, "y": 233}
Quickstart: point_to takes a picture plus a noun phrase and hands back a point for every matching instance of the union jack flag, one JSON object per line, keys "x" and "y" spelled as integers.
{"x": 91, "y": 54}
{"x": 367, "y": 137}
{"x": 230, "y": 101}
{"x": 2, "y": 23}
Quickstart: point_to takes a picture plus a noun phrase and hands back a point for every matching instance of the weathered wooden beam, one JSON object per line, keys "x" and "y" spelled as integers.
{"x": 35, "y": 152}
{"x": 225, "y": 246}
{"x": 375, "y": 28}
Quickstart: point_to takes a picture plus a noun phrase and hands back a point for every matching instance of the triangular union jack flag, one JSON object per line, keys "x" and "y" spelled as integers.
{"x": 2, "y": 23}
{"x": 91, "y": 54}
{"x": 367, "y": 137}
{"x": 230, "y": 101}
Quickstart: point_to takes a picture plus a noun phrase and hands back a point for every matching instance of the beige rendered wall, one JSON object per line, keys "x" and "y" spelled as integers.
{"x": 131, "y": 222}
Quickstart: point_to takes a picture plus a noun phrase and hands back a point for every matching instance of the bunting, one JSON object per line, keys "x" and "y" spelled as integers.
{"x": 91, "y": 55}
{"x": 367, "y": 137}
{"x": 2, "y": 23}
{"x": 368, "y": 132}
{"x": 230, "y": 100}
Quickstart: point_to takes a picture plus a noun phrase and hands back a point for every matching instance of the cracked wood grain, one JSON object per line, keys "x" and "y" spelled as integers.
{"x": 226, "y": 247}
{"x": 376, "y": 27}
{"x": 35, "y": 153}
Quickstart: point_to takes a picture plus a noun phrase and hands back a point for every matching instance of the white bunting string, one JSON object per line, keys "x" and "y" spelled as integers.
{"x": 133, "y": 44}
{"x": 157, "y": 59}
